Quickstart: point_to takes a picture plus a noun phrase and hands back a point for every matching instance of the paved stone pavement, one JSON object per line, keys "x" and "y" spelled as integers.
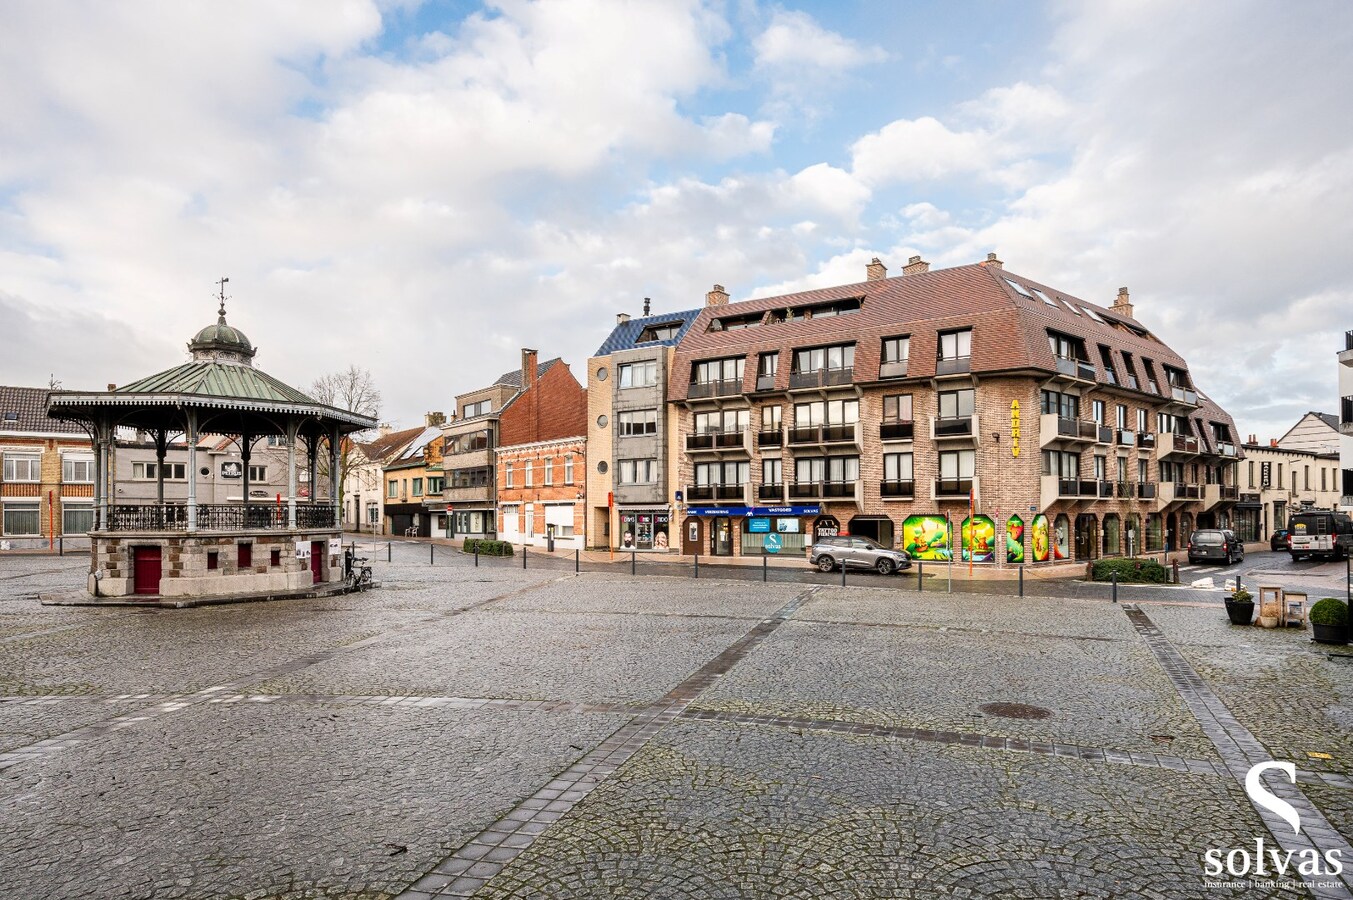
{"x": 496, "y": 732}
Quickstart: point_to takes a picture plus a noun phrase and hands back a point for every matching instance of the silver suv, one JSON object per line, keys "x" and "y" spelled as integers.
{"x": 856, "y": 553}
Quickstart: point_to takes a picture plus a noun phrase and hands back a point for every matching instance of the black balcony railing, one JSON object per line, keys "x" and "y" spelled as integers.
{"x": 897, "y": 489}
{"x": 1068, "y": 487}
{"x": 774, "y": 438}
{"x": 1184, "y": 444}
{"x": 1126, "y": 438}
{"x": 1126, "y": 489}
{"x": 1184, "y": 491}
{"x": 765, "y": 382}
{"x": 1146, "y": 440}
{"x": 1346, "y": 410}
{"x": 957, "y": 426}
{"x": 1105, "y": 489}
{"x": 893, "y": 369}
{"x": 1103, "y": 434}
{"x": 954, "y": 365}
{"x": 1230, "y": 492}
{"x": 1146, "y": 490}
{"x": 700, "y": 389}
{"x": 897, "y": 431}
{"x": 821, "y": 377}
{"x": 953, "y": 487}
{"x": 1182, "y": 394}
{"x": 805, "y": 490}
{"x": 1076, "y": 429}
{"x": 715, "y": 440}
{"x": 700, "y": 492}
{"x": 1076, "y": 368}
{"x": 1226, "y": 448}
{"x": 822, "y": 434}
{"x": 730, "y": 491}
{"x": 775, "y": 492}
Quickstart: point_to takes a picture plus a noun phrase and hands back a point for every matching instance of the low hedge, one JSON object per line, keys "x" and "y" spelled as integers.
{"x": 1130, "y": 571}
{"x": 486, "y": 547}
{"x": 1329, "y": 611}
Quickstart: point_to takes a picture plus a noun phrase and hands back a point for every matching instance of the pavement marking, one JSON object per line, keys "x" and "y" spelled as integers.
{"x": 1239, "y": 750}
{"x": 487, "y": 853}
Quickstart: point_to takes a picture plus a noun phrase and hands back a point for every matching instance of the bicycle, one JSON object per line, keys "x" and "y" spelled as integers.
{"x": 359, "y": 575}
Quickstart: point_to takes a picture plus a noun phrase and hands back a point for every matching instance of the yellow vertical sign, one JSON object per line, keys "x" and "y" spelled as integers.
{"x": 1014, "y": 428}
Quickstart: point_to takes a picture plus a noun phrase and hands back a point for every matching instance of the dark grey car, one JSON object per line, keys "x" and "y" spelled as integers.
{"x": 856, "y": 553}
{"x": 1215, "y": 545}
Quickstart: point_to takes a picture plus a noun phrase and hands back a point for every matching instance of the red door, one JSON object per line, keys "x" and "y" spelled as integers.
{"x": 317, "y": 551}
{"x": 146, "y": 570}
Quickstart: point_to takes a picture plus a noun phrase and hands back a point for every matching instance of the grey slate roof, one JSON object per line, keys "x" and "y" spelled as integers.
{"x": 24, "y": 409}
{"x": 513, "y": 378}
{"x": 625, "y": 336}
{"x": 1329, "y": 419}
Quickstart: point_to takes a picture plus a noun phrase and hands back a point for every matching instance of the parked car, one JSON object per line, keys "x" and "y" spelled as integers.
{"x": 1281, "y": 540}
{"x": 1215, "y": 545}
{"x": 854, "y": 552}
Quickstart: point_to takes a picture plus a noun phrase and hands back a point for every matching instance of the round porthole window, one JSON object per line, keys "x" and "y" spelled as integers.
{"x": 601, "y": 374}
{"x": 602, "y": 467}
{"x": 601, "y": 421}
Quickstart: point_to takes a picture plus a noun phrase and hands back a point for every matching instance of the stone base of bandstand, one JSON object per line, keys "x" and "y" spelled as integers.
{"x": 204, "y": 567}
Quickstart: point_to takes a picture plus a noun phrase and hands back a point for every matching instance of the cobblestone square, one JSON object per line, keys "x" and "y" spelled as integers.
{"x": 495, "y": 732}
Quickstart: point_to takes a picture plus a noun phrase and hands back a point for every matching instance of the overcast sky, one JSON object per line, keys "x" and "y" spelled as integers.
{"x": 423, "y": 189}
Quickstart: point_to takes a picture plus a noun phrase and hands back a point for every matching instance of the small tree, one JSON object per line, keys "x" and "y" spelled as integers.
{"x": 352, "y": 389}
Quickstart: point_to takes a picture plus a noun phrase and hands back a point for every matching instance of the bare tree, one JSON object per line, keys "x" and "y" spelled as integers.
{"x": 352, "y": 389}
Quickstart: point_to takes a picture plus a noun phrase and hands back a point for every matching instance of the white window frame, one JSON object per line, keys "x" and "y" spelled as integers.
{"x": 568, "y": 469}
{"x": 71, "y": 467}
{"x": 31, "y": 468}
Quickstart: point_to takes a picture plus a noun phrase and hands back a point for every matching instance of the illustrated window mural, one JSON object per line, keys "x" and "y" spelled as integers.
{"x": 977, "y": 538}
{"x": 926, "y": 537}
{"x": 1041, "y": 546}
{"x": 1014, "y": 540}
{"x": 1061, "y": 543}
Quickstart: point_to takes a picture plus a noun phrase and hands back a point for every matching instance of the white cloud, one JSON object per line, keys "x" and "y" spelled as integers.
{"x": 796, "y": 40}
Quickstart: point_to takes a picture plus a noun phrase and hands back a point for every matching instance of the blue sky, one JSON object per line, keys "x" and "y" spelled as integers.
{"x": 425, "y": 188}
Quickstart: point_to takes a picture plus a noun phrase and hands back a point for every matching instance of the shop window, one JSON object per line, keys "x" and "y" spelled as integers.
{"x": 1113, "y": 535}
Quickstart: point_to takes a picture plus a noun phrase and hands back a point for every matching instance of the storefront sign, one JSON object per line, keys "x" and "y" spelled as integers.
{"x": 772, "y": 544}
{"x": 1014, "y": 428}
{"x": 825, "y": 527}
{"x": 231, "y": 469}
{"x": 754, "y": 510}
{"x": 759, "y": 525}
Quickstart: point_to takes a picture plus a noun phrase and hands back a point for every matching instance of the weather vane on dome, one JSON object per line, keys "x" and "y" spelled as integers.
{"x": 221, "y": 312}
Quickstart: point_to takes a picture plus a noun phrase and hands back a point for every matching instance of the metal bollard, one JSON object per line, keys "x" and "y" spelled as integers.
{"x": 764, "y": 570}
{"x": 1174, "y": 569}
{"x": 576, "y": 570}
{"x": 476, "y": 556}
{"x": 634, "y": 557}
{"x": 432, "y": 560}
{"x": 843, "y": 573}
{"x": 920, "y": 575}
{"x": 697, "y": 565}
{"x": 389, "y": 551}
{"x": 523, "y": 556}
{"x": 1238, "y": 584}
{"x": 1021, "y": 579}
{"x": 61, "y": 546}
{"x": 1114, "y": 579}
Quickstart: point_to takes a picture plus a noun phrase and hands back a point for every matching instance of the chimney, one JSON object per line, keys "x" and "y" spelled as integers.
{"x": 384, "y": 428}
{"x": 876, "y": 271}
{"x": 1273, "y": 443}
{"x": 1121, "y": 304}
{"x": 915, "y": 266}
{"x": 1252, "y": 441}
{"x": 112, "y": 387}
{"x": 993, "y": 262}
{"x": 647, "y": 303}
{"x": 528, "y": 368}
{"x": 435, "y": 418}
{"x": 620, "y": 319}
{"x": 717, "y": 297}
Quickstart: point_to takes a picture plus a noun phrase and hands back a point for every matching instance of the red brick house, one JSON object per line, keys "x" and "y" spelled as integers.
{"x": 47, "y": 476}
{"x": 540, "y": 458}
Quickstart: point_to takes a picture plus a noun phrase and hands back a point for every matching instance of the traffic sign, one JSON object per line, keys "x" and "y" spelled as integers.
{"x": 772, "y": 544}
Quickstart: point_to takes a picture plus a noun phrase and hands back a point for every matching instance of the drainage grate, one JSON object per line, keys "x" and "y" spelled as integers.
{"x": 1015, "y": 711}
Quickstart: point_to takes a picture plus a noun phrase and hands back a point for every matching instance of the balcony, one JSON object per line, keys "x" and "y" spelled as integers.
{"x": 1346, "y": 354}
{"x": 1104, "y": 434}
{"x": 716, "y": 493}
{"x": 897, "y": 490}
{"x": 954, "y": 429}
{"x": 717, "y": 442}
{"x": 773, "y": 494}
{"x": 1075, "y": 369}
{"x": 893, "y": 369}
{"x": 954, "y": 365}
{"x": 824, "y": 490}
{"x": 818, "y": 435}
{"x": 1126, "y": 490}
{"x": 822, "y": 378}
{"x": 1214, "y": 494}
{"x": 1127, "y": 438}
{"x": 703, "y": 389}
{"x": 1053, "y": 488}
{"x": 1176, "y": 445}
{"x": 1105, "y": 490}
{"x": 1146, "y": 440}
{"x": 897, "y": 431}
{"x": 1346, "y": 416}
{"x": 953, "y": 488}
{"x": 1053, "y": 429}
{"x": 1346, "y": 501}
{"x": 472, "y": 494}
{"x": 1227, "y": 449}
{"x": 765, "y": 383}
{"x": 1181, "y": 398}
{"x": 1178, "y": 492}
{"x": 774, "y": 438}
{"x": 1146, "y": 490}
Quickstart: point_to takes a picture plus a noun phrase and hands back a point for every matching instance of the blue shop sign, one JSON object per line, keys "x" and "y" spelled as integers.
{"x": 759, "y": 525}
{"x": 753, "y": 510}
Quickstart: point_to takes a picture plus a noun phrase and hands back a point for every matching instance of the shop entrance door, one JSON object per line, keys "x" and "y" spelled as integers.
{"x": 721, "y": 536}
{"x": 1087, "y": 536}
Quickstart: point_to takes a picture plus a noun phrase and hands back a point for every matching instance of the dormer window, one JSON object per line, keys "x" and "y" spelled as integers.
{"x": 664, "y": 331}
{"x": 736, "y": 323}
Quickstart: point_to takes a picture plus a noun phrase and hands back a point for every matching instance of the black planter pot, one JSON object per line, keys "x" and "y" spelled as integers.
{"x": 1240, "y": 612}
{"x": 1330, "y": 634}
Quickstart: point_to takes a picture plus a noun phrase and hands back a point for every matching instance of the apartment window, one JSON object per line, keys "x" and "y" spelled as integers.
{"x": 22, "y": 468}
{"x": 637, "y": 421}
{"x": 717, "y": 370}
{"x": 893, "y": 361}
{"x": 507, "y": 475}
{"x": 1150, "y": 375}
{"x": 1065, "y": 406}
{"x": 473, "y": 478}
{"x": 276, "y": 440}
{"x": 213, "y": 559}
{"x": 21, "y": 519}
{"x": 731, "y": 421}
{"x": 1106, "y": 357}
{"x": 897, "y": 408}
{"x": 661, "y": 332}
{"x": 529, "y": 473}
{"x": 1324, "y": 484}
{"x": 481, "y": 408}
{"x": 637, "y": 471}
{"x": 1122, "y": 417}
{"x": 897, "y": 467}
{"x": 1280, "y": 475}
{"x": 391, "y": 489}
{"x": 771, "y": 471}
{"x": 467, "y": 443}
{"x": 172, "y": 471}
{"x": 1062, "y": 464}
{"x": 258, "y": 473}
{"x": 1251, "y": 473}
{"x": 638, "y": 374}
{"x": 956, "y": 465}
{"x": 435, "y": 485}
{"x": 568, "y": 469}
{"x": 1128, "y": 371}
{"x": 77, "y": 471}
{"x": 1141, "y": 471}
{"x": 955, "y": 344}
{"x": 726, "y": 473}
{"x": 770, "y": 418}
{"x": 1065, "y": 347}
{"x": 813, "y": 359}
{"x": 826, "y": 412}
{"x": 77, "y": 518}
{"x": 548, "y": 465}
{"x": 1099, "y": 410}
{"x": 831, "y": 469}
{"x": 1101, "y": 469}
{"x": 767, "y": 365}
{"x": 1308, "y": 477}
{"x": 1141, "y": 420}
{"x": 957, "y": 404}
{"x": 418, "y": 487}
{"x": 1172, "y": 472}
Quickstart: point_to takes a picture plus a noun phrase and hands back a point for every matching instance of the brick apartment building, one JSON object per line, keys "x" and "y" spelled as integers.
{"x": 46, "y": 472}
{"x": 632, "y": 451}
{"x": 885, "y": 408}
{"x": 542, "y": 433}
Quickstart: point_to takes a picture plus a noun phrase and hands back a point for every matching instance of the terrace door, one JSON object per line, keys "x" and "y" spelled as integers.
{"x": 317, "y": 551}
{"x": 146, "y": 570}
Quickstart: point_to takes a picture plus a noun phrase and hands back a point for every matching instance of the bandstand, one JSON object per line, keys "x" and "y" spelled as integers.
{"x": 175, "y": 554}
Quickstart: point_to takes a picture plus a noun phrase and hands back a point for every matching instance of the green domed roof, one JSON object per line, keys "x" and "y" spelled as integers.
{"x": 221, "y": 336}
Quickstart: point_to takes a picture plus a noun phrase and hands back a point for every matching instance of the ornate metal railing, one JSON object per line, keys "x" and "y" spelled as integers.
{"x": 217, "y": 517}
{"x": 150, "y": 517}
{"x": 319, "y": 515}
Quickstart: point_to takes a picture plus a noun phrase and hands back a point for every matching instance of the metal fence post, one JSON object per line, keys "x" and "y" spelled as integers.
{"x": 1021, "y": 579}
{"x": 476, "y": 555}
{"x": 843, "y": 573}
{"x": 576, "y": 570}
{"x": 697, "y": 565}
{"x": 920, "y": 575}
{"x": 61, "y": 546}
{"x": 1114, "y": 579}
{"x": 634, "y": 558}
{"x": 765, "y": 572}
{"x": 432, "y": 560}
{"x": 523, "y": 556}
{"x": 389, "y": 551}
